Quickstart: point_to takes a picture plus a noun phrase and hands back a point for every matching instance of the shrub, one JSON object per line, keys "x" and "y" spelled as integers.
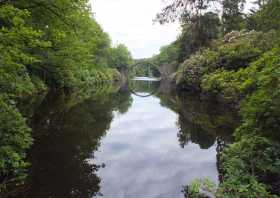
{"x": 15, "y": 139}
{"x": 190, "y": 72}
{"x": 261, "y": 109}
{"x": 230, "y": 85}
{"x": 254, "y": 159}
{"x": 233, "y": 54}
{"x": 243, "y": 163}
{"x": 200, "y": 188}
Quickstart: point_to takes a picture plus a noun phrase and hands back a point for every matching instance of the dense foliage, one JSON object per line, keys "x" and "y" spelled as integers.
{"x": 18, "y": 43}
{"x": 15, "y": 139}
{"x": 239, "y": 66}
{"x": 57, "y": 43}
{"x": 250, "y": 165}
{"x": 120, "y": 58}
{"x": 53, "y": 44}
{"x": 169, "y": 54}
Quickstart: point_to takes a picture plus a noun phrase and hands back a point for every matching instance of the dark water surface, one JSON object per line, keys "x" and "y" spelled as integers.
{"x": 141, "y": 140}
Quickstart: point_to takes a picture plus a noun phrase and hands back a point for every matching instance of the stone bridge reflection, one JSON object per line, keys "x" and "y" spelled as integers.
{"x": 144, "y": 87}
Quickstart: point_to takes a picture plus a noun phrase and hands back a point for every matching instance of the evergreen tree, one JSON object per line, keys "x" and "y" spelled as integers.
{"x": 232, "y": 16}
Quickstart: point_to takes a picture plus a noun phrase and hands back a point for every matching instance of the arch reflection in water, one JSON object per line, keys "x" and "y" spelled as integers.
{"x": 144, "y": 87}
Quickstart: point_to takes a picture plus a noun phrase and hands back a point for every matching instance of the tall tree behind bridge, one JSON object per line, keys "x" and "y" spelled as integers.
{"x": 232, "y": 17}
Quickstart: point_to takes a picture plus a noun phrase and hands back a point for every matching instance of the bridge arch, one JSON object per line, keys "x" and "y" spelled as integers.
{"x": 152, "y": 68}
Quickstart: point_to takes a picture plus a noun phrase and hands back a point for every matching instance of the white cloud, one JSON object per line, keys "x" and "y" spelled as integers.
{"x": 131, "y": 22}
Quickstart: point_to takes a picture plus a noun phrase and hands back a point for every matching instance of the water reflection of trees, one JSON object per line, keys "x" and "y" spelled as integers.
{"x": 67, "y": 133}
{"x": 193, "y": 132}
{"x": 201, "y": 120}
{"x": 123, "y": 100}
{"x": 68, "y": 129}
{"x": 205, "y": 120}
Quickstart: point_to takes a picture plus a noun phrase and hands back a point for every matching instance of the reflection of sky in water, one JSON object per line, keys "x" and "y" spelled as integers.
{"x": 143, "y": 157}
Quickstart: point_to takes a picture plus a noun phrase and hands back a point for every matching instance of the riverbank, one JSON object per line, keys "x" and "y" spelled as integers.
{"x": 89, "y": 136}
{"x": 47, "y": 46}
{"x": 243, "y": 72}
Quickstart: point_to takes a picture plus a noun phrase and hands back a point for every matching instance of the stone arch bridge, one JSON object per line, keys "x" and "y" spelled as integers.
{"x": 148, "y": 68}
{"x": 163, "y": 71}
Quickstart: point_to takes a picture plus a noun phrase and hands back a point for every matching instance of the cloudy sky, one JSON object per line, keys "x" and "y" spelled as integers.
{"x": 131, "y": 22}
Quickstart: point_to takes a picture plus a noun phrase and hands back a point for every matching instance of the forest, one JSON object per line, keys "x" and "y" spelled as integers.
{"x": 47, "y": 45}
{"x": 225, "y": 51}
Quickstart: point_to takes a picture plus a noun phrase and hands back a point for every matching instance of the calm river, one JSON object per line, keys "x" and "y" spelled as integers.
{"x": 142, "y": 140}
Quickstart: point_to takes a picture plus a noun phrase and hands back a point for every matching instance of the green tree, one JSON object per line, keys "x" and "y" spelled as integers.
{"x": 18, "y": 44}
{"x": 78, "y": 48}
{"x": 168, "y": 54}
{"x": 232, "y": 16}
{"x": 266, "y": 18}
{"x": 120, "y": 58}
{"x": 178, "y": 9}
{"x": 198, "y": 32}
